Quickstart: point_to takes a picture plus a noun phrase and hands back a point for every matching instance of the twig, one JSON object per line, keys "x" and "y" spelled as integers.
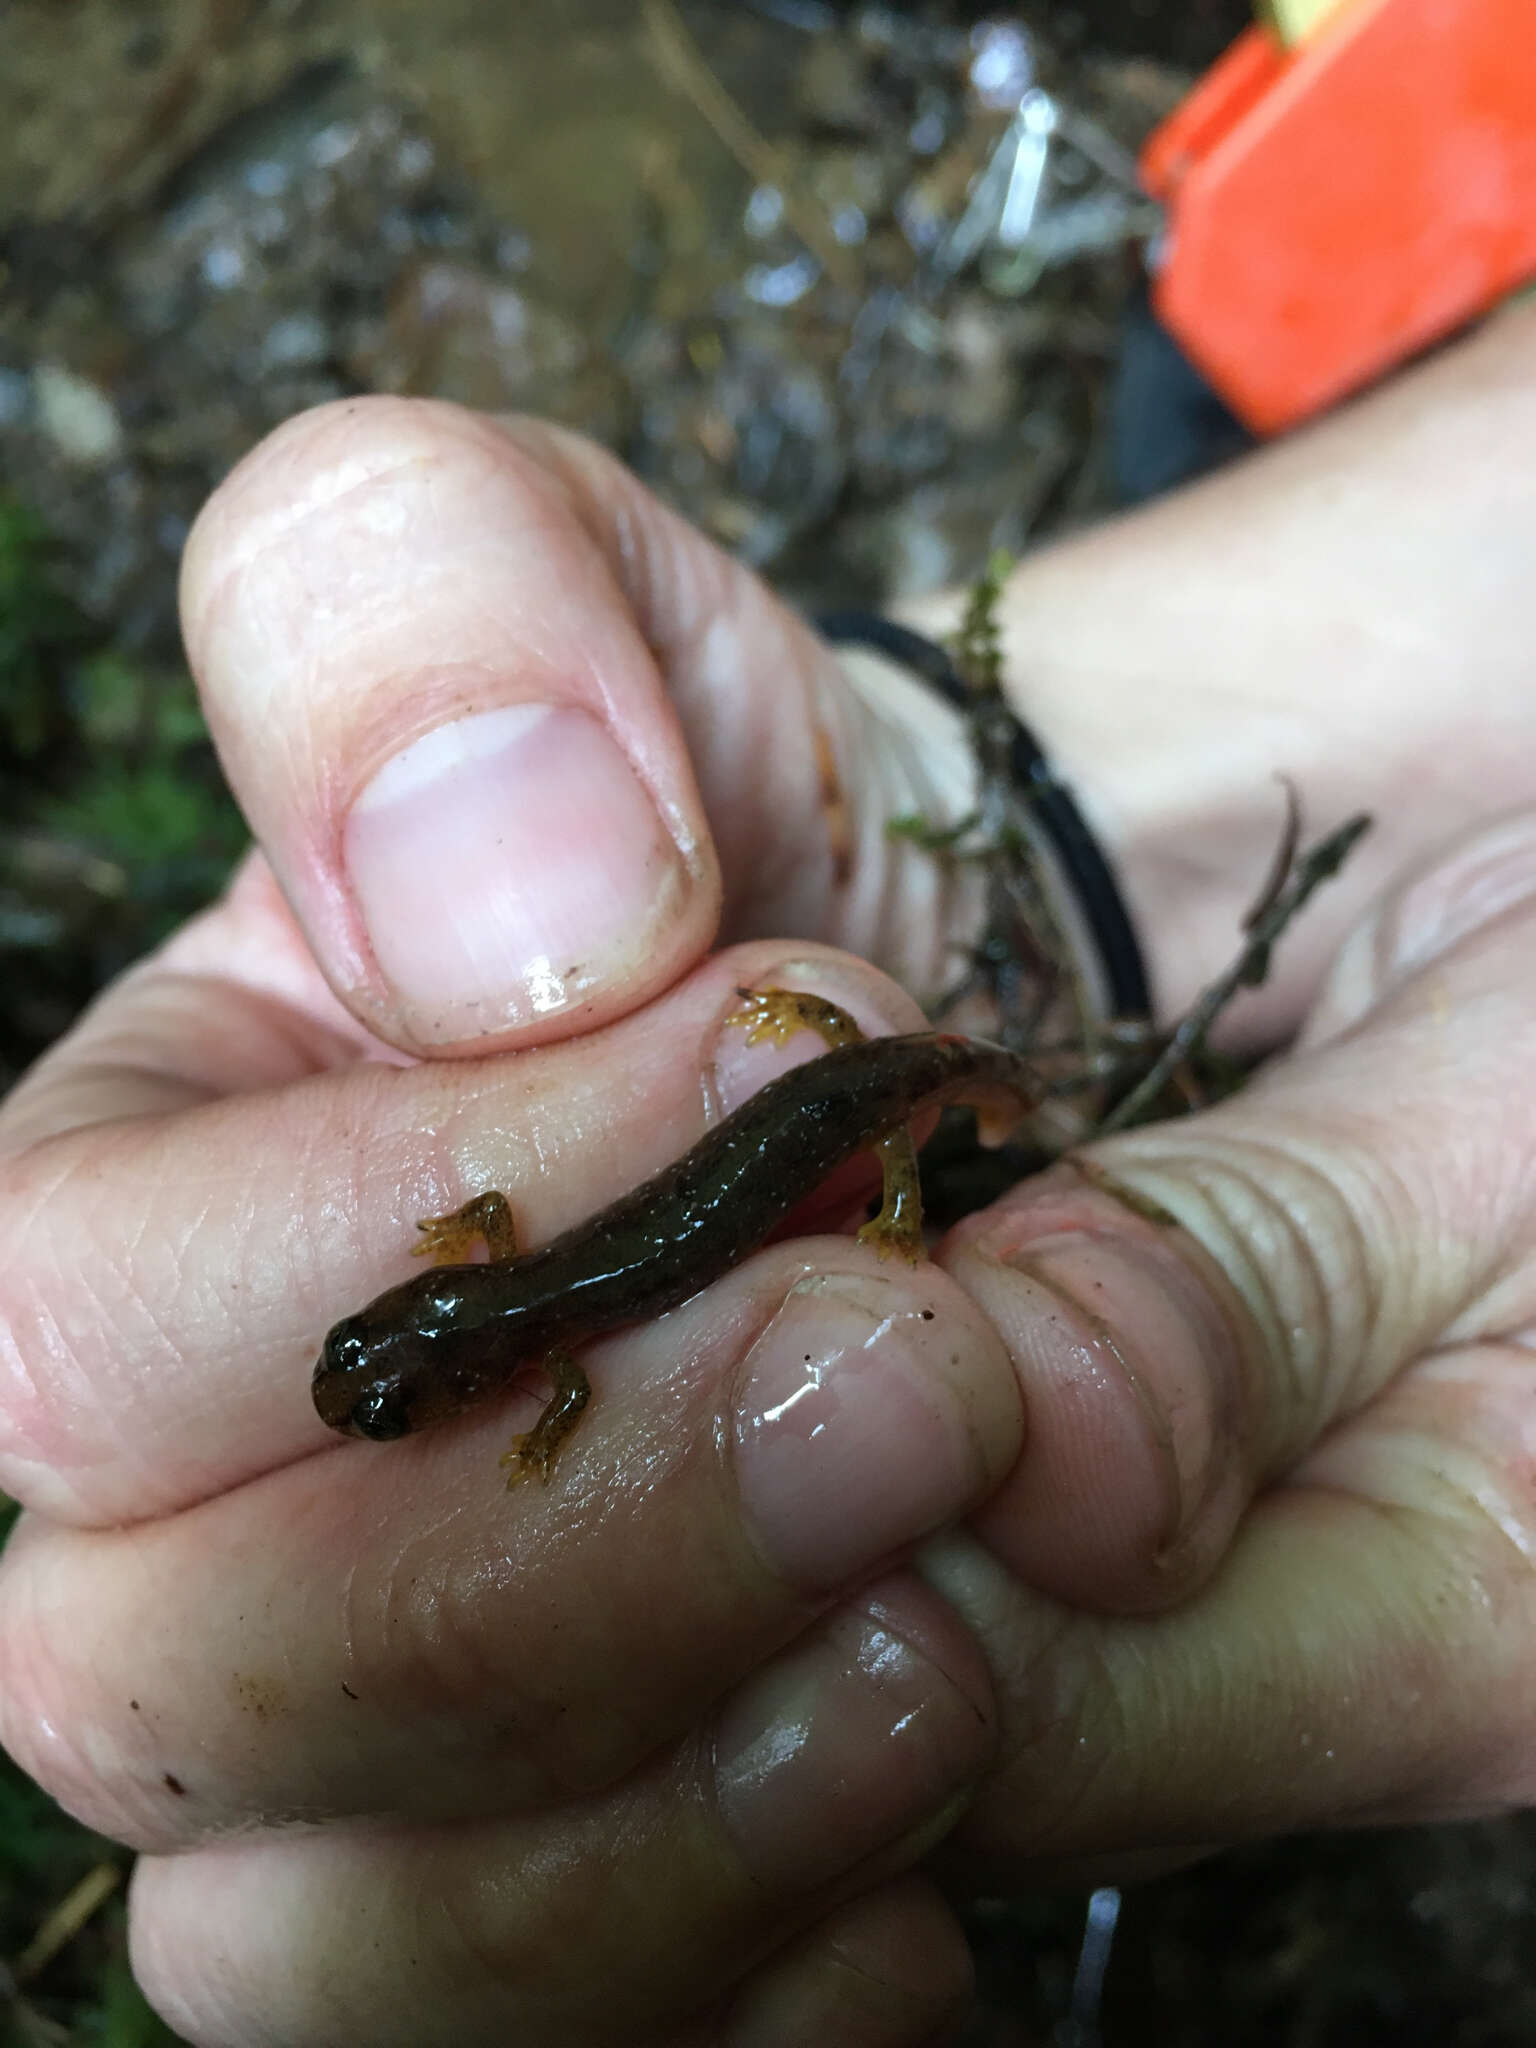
{"x": 681, "y": 63}
{"x": 1023, "y": 956}
{"x": 978, "y": 642}
{"x": 66, "y": 1921}
{"x": 1285, "y": 856}
{"x": 1314, "y": 867}
{"x": 1023, "y": 927}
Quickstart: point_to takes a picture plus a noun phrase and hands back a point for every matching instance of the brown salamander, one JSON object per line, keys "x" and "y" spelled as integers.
{"x": 434, "y": 1345}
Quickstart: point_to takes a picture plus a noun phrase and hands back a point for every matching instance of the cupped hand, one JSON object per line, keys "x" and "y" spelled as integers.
{"x": 652, "y": 1753}
{"x": 643, "y": 1754}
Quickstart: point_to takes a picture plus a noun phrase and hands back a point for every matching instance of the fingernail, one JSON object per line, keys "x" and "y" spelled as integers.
{"x": 505, "y": 866}
{"x": 862, "y": 1422}
{"x": 847, "y": 1743}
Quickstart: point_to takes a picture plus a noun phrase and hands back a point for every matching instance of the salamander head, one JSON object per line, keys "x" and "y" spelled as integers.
{"x": 369, "y": 1377}
{"x": 401, "y": 1363}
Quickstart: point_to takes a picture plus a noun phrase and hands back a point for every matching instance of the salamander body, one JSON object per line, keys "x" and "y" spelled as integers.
{"x": 446, "y": 1339}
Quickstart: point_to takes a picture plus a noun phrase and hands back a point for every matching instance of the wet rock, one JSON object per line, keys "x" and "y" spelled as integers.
{"x": 606, "y": 261}
{"x": 853, "y": 189}
{"x": 76, "y": 416}
{"x": 742, "y": 437}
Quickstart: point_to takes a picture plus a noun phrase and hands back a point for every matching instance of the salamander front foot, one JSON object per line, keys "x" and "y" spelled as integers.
{"x": 449, "y": 1240}
{"x": 534, "y": 1452}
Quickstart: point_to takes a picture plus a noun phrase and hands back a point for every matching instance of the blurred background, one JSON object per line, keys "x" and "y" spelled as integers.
{"x": 858, "y": 288}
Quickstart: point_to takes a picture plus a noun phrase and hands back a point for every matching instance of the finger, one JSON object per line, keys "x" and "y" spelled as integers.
{"x": 615, "y": 1919}
{"x": 455, "y": 673}
{"x": 1351, "y": 1209}
{"x": 804, "y": 758}
{"x": 389, "y": 1628}
{"x": 169, "y": 1277}
{"x": 1366, "y": 1656}
{"x": 888, "y": 1970}
{"x": 479, "y": 805}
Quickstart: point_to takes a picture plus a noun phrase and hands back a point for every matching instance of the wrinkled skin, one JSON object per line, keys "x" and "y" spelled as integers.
{"x": 1080, "y": 1548}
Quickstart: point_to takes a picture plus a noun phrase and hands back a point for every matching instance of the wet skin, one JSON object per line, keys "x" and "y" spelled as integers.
{"x": 438, "y": 1343}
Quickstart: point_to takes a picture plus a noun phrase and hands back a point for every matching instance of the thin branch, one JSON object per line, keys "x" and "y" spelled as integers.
{"x": 1313, "y": 868}
{"x": 66, "y": 1920}
{"x": 682, "y": 64}
{"x": 1285, "y": 856}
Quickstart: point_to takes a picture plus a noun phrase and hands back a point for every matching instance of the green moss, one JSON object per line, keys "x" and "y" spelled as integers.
{"x": 40, "y": 629}
{"x": 115, "y": 823}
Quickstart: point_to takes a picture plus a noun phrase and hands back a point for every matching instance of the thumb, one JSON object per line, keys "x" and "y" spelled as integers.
{"x": 500, "y": 720}
{"x": 1193, "y": 1305}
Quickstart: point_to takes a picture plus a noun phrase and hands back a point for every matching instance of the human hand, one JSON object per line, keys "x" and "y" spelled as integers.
{"x": 232, "y": 1936}
{"x": 643, "y": 1755}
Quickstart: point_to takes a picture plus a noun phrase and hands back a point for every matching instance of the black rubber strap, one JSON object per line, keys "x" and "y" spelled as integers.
{"x": 1087, "y": 871}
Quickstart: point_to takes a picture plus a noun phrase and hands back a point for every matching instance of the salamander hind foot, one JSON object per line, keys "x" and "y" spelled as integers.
{"x": 886, "y": 1235}
{"x": 899, "y": 1225}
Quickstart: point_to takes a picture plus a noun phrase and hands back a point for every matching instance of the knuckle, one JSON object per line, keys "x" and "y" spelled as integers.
{"x": 1300, "y": 1233}
{"x": 45, "y": 1396}
{"x": 437, "y": 1626}
{"x": 44, "y": 1721}
{"x": 1073, "y": 1742}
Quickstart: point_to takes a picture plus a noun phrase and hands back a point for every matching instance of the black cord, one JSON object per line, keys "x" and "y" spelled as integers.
{"x": 1087, "y": 871}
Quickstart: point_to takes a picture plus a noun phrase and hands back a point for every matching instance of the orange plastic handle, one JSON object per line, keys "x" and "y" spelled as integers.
{"x": 1334, "y": 208}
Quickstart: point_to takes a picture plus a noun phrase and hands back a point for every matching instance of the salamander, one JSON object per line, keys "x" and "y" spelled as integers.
{"x": 438, "y": 1343}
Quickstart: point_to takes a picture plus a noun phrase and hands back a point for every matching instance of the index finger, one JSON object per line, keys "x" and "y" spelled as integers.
{"x": 173, "y": 1262}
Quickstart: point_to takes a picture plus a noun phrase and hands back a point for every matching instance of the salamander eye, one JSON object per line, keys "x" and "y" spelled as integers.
{"x": 346, "y": 1348}
{"x": 381, "y": 1414}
